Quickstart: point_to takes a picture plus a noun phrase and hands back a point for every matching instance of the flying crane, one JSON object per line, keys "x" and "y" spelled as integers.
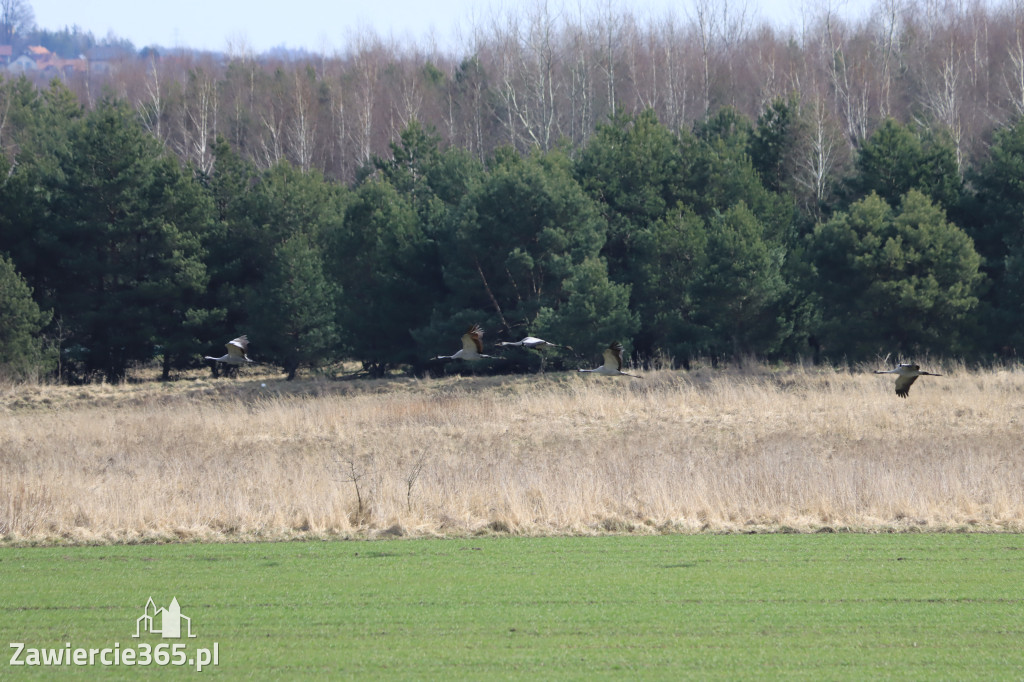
{"x": 908, "y": 374}
{"x": 472, "y": 346}
{"x": 236, "y": 354}
{"x": 538, "y": 344}
{"x": 532, "y": 342}
{"x": 612, "y": 362}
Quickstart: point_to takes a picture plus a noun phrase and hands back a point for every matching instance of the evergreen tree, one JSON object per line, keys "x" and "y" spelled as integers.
{"x": 775, "y": 143}
{"x": 595, "y": 310}
{"x": 669, "y": 260}
{"x": 278, "y": 205}
{"x": 115, "y": 252}
{"x": 741, "y": 293}
{"x": 665, "y": 196}
{"x": 37, "y": 130}
{"x": 387, "y": 268}
{"x": 433, "y": 180}
{"x": 387, "y": 255}
{"x": 895, "y": 159}
{"x": 743, "y": 300}
{"x": 235, "y": 251}
{"x": 994, "y": 217}
{"x": 633, "y": 166}
{"x": 292, "y": 312}
{"x": 898, "y": 281}
{"x": 722, "y": 175}
{"x": 22, "y": 350}
{"x": 517, "y": 241}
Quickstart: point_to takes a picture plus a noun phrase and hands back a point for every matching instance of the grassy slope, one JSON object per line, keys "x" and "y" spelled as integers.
{"x": 823, "y": 606}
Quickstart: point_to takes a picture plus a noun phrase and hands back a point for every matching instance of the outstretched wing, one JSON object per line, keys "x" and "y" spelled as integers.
{"x": 613, "y": 356}
{"x": 903, "y": 385}
{"x": 237, "y": 347}
{"x": 471, "y": 340}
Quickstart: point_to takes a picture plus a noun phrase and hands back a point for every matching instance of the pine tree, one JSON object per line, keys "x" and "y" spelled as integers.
{"x": 116, "y": 252}
{"x": 898, "y": 281}
{"x": 22, "y": 348}
{"x": 520, "y": 247}
{"x": 993, "y": 217}
{"x": 896, "y": 159}
{"x": 387, "y": 267}
{"x": 292, "y": 313}
{"x": 741, "y": 292}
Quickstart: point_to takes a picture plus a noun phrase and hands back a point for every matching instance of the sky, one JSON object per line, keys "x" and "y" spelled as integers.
{"x": 328, "y": 26}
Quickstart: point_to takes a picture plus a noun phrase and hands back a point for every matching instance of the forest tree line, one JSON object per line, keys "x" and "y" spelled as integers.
{"x": 852, "y": 223}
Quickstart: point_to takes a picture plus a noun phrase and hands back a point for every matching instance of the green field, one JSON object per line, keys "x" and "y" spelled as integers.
{"x": 810, "y": 606}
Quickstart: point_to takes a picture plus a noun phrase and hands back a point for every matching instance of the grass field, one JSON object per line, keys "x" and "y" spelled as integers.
{"x": 646, "y": 503}
{"x": 754, "y": 448}
{"x": 785, "y": 606}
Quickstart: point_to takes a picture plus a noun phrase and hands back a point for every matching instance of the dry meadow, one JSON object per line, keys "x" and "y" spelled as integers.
{"x": 735, "y": 450}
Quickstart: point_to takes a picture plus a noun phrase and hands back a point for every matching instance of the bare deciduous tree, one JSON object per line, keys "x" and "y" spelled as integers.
{"x": 534, "y": 75}
{"x": 342, "y": 135}
{"x": 5, "y": 111}
{"x": 151, "y": 110}
{"x": 538, "y": 68}
{"x": 941, "y": 97}
{"x": 817, "y": 158}
{"x": 674, "y": 72}
{"x": 300, "y": 129}
{"x": 366, "y": 69}
{"x": 704, "y": 23}
{"x": 16, "y": 18}
{"x": 609, "y": 26}
{"x": 1014, "y": 79}
{"x": 199, "y": 120}
{"x": 580, "y": 90}
{"x": 888, "y": 47}
{"x": 846, "y": 71}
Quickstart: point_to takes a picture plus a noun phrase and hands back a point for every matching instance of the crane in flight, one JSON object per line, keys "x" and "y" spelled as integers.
{"x": 236, "y": 354}
{"x": 907, "y": 375}
{"x": 472, "y": 346}
{"x": 612, "y": 362}
{"x": 533, "y": 342}
{"x": 538, "y": 344}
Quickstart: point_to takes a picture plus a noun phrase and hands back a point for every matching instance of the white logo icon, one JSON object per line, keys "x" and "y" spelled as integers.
{"x": 164, "y": 622}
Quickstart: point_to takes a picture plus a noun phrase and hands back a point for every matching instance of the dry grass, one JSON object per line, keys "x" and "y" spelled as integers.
{"x": 795, "y": 449}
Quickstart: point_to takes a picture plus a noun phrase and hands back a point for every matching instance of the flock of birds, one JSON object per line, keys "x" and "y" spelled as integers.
{"x": 473, "y": 349}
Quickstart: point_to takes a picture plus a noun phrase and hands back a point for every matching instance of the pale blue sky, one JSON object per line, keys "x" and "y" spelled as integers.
{"x": 333, "y": 25}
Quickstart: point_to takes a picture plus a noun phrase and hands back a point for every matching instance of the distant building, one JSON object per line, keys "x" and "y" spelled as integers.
{"x": 22, "y": 64}
{"x": 64, "y": 67}
{"x": 36, "y": 59}
{"x": 106, "y": 59}
{"x": 6, "y": 54}
{"x": 39, "y": 53}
